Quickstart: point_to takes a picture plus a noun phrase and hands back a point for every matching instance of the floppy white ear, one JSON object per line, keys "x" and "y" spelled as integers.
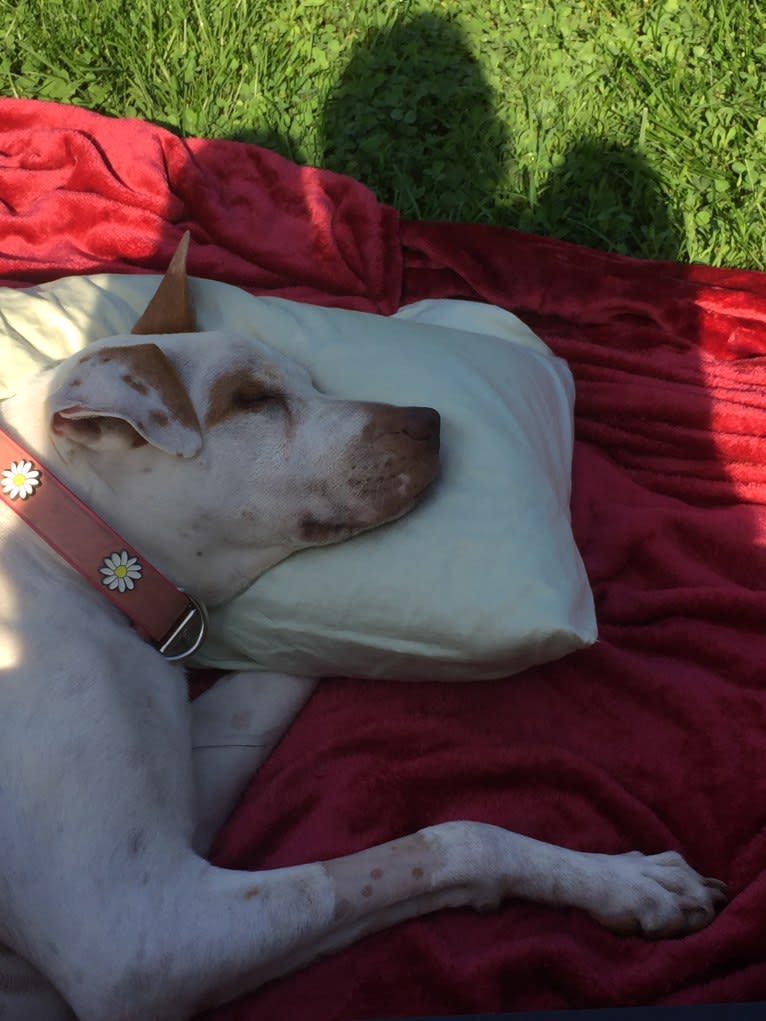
{"x": 115, "y": 398}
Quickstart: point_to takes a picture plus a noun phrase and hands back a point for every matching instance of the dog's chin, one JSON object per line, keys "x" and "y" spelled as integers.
{"x": 317, "y": 532}
{"x": 314, "y": 532}
{"x": 325, "y": 533}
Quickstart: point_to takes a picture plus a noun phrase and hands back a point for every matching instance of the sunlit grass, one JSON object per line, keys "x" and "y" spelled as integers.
{"x": 631, "y": 125}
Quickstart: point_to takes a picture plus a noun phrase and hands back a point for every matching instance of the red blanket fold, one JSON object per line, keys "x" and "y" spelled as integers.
{"x": 85, "y": 194}
{"x": 653, "y": 739}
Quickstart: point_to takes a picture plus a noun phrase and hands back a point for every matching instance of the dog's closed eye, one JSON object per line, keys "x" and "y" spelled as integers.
{"x": 236, "y": 392}
{"x": 255, "y": 400}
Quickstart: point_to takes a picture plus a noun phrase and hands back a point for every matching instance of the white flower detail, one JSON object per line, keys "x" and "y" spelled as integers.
{"x": 120, "y": 571}
{"x": 20, "y": 480}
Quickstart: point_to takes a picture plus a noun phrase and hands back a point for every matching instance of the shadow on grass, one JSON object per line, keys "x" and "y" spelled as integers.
{"x": 606, "y": 196}
{"x": 413, "y": 118}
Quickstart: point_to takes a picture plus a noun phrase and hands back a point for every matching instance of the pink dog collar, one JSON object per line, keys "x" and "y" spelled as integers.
{"x": 171, "y": 620}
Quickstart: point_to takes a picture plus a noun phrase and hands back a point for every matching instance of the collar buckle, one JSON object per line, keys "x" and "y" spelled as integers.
{"x": 187, "y": 634}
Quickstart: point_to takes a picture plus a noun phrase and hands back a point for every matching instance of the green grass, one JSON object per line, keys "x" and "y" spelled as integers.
{"x": 636, "y": 126}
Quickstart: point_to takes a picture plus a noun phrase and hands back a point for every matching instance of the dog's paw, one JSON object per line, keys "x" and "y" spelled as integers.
{"x": 658, "y": 896}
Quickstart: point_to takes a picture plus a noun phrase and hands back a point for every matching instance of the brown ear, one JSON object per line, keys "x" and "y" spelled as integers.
{"x": 170, "y": 310}
{"x": 115, "y": 398}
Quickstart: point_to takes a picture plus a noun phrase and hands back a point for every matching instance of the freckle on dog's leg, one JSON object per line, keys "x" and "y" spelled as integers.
{"x": 235, "y": 727}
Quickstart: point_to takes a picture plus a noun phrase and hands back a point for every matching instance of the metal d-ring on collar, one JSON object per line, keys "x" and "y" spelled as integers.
{"x": 195, "y": 624}
{"x": 174, "y": 622}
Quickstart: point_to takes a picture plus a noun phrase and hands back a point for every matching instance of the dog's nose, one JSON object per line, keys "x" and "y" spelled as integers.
{"x": 422, "y": 424}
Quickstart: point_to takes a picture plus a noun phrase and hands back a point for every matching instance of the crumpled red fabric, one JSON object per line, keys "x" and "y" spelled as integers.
{"x": 82, "y": 193}
{"x": 655, "y": 738}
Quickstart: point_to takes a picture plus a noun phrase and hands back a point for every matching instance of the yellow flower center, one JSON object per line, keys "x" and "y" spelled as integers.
{"x": 19, "y": 479}
{"x": 121, "y": 571}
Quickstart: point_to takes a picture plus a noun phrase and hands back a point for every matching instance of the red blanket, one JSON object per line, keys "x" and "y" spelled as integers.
{"x": 653, "y": 739}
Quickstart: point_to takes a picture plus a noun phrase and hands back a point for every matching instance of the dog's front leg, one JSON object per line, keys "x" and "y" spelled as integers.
{"x": 192, "y": 935}
{"x": 306, "y": 912}
{"x": 235, "y": 726}
{"x": 478, "y": 865}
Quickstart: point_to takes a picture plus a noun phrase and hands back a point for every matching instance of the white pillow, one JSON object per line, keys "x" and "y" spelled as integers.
{"x": 483, "y": 579}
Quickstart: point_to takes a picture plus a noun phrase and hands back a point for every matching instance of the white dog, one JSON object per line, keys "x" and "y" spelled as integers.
{"x": 215, "y": 458}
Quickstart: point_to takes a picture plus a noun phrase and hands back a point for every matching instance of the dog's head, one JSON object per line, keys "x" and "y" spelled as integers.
{"x": 217, "y": 457}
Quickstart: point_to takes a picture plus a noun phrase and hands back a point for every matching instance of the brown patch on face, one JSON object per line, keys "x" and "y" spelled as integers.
{"x": 417, "y": 873}
{"x": 376, "y": 874}
{"x": 235, "y": 392}
{"x": 402, "y": 458}
{"x": 252, "y": 892}
{"x": 159, "y": 417}
{"x": 387, "y": 471}
{"x": 148, "y": 365}
{"x": 367, "y": 891}
{"x": 135, "y": 384}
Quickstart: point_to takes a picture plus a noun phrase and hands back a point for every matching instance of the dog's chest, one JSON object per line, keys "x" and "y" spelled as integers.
{"x": 80, "y": 691}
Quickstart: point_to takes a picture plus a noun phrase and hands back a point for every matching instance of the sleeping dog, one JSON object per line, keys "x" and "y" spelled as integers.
{"x": 206, "y": 459}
